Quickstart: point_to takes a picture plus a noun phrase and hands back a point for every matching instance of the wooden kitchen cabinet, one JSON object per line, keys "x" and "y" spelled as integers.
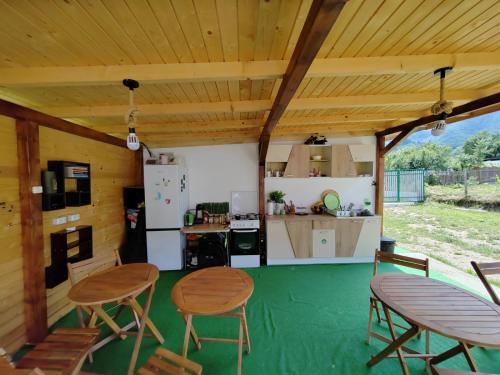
{"x": 298, "y": 162}
{"x": 300, "y": 234}
{"x": 352, "y": 160}
{"x": 278, "y": 241}
{"x": 278, "y": 153}
{"x": 347, "y": 235}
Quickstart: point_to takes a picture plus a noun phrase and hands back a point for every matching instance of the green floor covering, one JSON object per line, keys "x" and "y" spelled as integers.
{"x": 302, "y": 320}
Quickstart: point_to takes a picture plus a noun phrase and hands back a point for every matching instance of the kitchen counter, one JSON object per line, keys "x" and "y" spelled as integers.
{"x": 318, "y": 217}
{"x": 205, "y": 228}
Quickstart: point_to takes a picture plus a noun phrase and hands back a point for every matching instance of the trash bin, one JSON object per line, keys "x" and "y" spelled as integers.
{"x": 387, "y": 244}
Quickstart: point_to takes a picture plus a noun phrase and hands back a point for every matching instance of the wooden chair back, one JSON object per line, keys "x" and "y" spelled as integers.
{"x": 166, "y": 362}
{"x": 400, "y": 260}
{"x": 80, "y": 270}
{"x": 484, "y": 269}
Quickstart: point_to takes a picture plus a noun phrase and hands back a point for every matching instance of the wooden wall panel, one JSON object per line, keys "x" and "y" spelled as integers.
{"x": 112, "y": 168}
{"x": 12, "y": 331}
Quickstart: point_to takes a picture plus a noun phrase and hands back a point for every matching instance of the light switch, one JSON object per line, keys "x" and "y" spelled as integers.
{"x": 59, "y": 220}
{"x": 37, "y": 189}
{"x": 73, "y": 217}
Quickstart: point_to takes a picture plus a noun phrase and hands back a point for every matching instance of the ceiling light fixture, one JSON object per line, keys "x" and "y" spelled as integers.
{"x": 441, "y": 108}
{"x": 133, "y": 142}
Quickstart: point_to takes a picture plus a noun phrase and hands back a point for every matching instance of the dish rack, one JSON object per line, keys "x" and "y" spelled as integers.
{"x": 338, "y": 213}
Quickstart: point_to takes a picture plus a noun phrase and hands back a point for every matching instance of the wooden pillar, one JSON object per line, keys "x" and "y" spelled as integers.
{"x": 139, "y": 167}
{"x": 379, "y": 180}
{"x": 35, "y": 300}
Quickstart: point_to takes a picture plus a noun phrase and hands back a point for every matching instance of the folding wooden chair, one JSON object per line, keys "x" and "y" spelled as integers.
{"x": 483, "y": 269}
{"x": 80, "y": 270}
{"x": 401, "y": 260}
{"x": 167, "y": 362}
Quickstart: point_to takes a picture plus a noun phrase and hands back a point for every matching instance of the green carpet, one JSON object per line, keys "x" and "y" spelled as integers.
{"x": 302, "y": 320}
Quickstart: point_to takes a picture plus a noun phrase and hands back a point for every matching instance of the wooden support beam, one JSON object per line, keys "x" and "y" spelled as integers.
{"x": 475, "y": 105}
{"x": 243, "y": 70}
{"x": 394, "y": 142}
{"x": 379, "y": 180}
{"x": 337, "y": 102}
{"x": 319, "y": 21}
{"x": 35, "y": 300}
{"x": 26, "y": 114}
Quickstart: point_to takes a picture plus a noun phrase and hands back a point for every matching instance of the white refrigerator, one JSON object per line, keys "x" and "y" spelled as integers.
{"x": 166, "y": 193}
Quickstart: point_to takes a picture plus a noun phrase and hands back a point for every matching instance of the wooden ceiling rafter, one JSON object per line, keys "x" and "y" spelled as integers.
{"x": 24, "y": 114}
{"x": 242, "y": 70}
{"x": 475, "y": 105}
{"x": 320, "y": 19}
{"x": 317, "y": 103}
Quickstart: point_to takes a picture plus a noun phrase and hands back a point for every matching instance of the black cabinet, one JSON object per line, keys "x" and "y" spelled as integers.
{"x": 133, "y": 249}
{"x": 65, "y": 183}
{"x": 57, "y": 272}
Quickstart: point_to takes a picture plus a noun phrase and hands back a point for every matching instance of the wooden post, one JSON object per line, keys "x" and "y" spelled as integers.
{"x": 379, "y": 180}
{"x": 35, "y": 300}
{"x": 262, "y": 211}
{"x": 139, "y": 167}
{"x": 465, "y": 183}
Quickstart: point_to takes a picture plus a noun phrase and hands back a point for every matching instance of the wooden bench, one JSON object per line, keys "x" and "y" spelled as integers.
{"x": 63, "y": 351}
{"x": 167, "y": 362}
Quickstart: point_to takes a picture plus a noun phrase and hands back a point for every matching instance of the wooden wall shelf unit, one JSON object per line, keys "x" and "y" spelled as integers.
{"x": 57, "y": 272}
{"x": 73, "y": 185}
{"x": 303, "y": 161}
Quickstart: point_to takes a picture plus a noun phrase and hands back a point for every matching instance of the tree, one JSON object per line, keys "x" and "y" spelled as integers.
{"x": 424, "y": 155}
{"x": 476, "y": 149}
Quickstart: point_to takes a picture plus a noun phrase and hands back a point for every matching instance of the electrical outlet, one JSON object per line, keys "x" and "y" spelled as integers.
{"x": 59, "y": 220}
{"x": 73, "y": 217}
{"x": 37, "y": 189}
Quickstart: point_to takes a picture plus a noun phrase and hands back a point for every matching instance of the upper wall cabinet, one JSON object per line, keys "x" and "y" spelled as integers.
{"x": 301, "y": 161}
{"x": 298, "y": 162}
{"x": 352, "y": 160}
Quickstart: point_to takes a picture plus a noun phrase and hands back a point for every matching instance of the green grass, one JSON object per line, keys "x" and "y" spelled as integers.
{"x": 467, "y": 229}
{"x": 480, "y": 195}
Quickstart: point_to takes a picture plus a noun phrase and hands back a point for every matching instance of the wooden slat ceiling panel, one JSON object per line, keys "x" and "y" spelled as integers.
{"x": 127, "y": 32}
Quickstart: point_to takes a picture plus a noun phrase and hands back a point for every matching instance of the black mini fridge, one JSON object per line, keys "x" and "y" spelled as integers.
{"x": 133, "y": 249}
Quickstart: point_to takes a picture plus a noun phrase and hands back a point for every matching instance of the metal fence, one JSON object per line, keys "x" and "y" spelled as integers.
{"x": 487, "y": 174}
{"x": 404, "y": 185}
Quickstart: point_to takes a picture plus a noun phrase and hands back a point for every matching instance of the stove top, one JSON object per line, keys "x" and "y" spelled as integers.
{"x": 244, "y": 221}
{"x": 249, "y": 216}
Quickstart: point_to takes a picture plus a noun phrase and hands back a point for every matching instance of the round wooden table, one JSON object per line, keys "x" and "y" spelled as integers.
{"x": 440, "y": 307}
{"x": 122, "y": 283}
{"x": 214, "y": 291}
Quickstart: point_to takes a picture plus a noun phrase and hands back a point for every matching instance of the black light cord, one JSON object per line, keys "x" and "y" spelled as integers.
{"x": 147, "y": 148}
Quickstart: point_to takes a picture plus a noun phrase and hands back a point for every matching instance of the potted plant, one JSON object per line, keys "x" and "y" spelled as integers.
{"x": 277, "y": 198}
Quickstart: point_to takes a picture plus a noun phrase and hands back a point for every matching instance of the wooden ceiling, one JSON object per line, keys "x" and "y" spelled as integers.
{"x": 210, "y": 69}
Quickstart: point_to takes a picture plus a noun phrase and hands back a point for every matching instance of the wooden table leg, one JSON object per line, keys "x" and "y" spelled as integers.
{"x": 107, "y": 319}
{"x": 240, "y": 347}
{"x": 409, "y": 334}
{"x": 245, "y": 327}
{"x": 469, "y": 357}
{"x": 460, "y": 348}
{"x": 144, "y": 318}
{"x": 399, "y": 352}
{"x": 194, "y": 336}
{"x": 189, "y": 319}
{"x": 136, "y": 307}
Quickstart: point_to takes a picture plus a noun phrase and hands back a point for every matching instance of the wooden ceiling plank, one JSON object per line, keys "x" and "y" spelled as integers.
{"x": 398, "y": 18}
{"x": 424, "y": 17}
{"x": 208, "y": 20}
{"x": 320, "y": 19}
{"x": 151, "y": 30}
{"x": 227, "y": 11}
{"x": 475, "y": 105}
{"x": 101, "y": 16}
{"x": 449, "y": 24}
{"x": 364, "y": 14}
{"x": 469, "y": 32}
{"x": 288, "y": 13}
{"x": 269, "y": 12}
{"x": 248, "y": 13}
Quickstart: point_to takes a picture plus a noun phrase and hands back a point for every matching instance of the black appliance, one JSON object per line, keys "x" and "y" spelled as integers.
{"x": 133, "y": 249}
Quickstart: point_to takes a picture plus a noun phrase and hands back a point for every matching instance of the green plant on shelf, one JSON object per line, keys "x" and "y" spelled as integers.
{"x": 277, "y": 196}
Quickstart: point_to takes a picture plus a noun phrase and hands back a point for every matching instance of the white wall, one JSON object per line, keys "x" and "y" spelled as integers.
{"x": 215, "y": 171}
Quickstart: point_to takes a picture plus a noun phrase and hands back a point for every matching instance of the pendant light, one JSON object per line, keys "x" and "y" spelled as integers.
{"x": 133, "y": 142}
{"x": 441, "y": 108}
